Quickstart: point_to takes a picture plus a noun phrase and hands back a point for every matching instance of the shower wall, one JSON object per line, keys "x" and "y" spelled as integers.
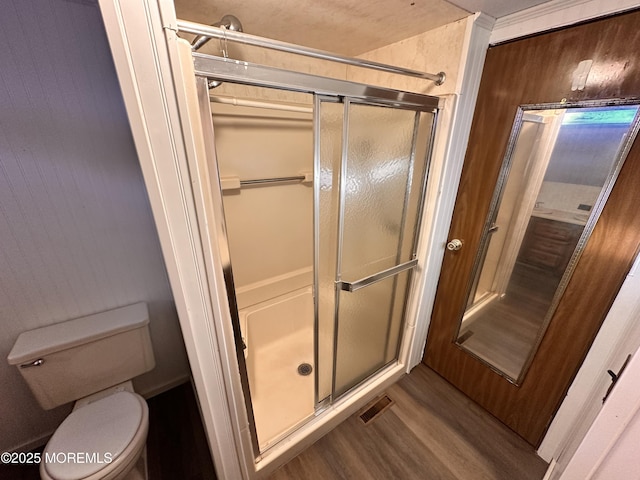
{"x": 270, "y": 227}
{"x": 432, "y": 51}
{"x": 437, "y": 50}
{"x": 275, "y": 59}
{"x": 270, "y": 234}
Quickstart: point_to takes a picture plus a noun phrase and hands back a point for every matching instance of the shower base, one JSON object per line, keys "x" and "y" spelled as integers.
{"x": 279, "y": 337}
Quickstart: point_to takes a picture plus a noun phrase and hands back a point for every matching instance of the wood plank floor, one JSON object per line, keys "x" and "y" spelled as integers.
{"x": 431, "y": 432}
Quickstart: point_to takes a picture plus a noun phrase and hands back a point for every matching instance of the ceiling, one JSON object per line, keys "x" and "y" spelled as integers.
{"x": 497, "y": 8}
{"x": 349, "y": 27}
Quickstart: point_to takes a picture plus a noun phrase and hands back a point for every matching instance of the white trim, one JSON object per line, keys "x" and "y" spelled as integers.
{"x": 206, "y": 200}
{"x": 34, "y": 443}
{"x": 607, "y": 432}
{"x": 142, "y": 60}
{"x": 164, "y": 387}
{"x": 470, "y": 313}
{"x": 555, "y": 14}
{"x": 444, "y": 174}
{"x": 550, "y": 469}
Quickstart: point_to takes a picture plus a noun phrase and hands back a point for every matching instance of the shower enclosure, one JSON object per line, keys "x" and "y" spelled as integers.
{"x": 329, "y": 296}
{"x": 322, "y": 196}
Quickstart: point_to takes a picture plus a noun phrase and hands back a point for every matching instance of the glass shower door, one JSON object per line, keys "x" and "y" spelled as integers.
{"x": 370, "y": 192}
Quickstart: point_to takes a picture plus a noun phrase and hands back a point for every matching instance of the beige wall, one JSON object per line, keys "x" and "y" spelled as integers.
{"x": 269, "y": 226}
{"x": 272, "y": 58}
{"x": 432, "y": 52}
{"x": 76, "y": 231}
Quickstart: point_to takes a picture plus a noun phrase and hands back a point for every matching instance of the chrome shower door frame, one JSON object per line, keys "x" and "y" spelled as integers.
{"x": 215, "y": 68}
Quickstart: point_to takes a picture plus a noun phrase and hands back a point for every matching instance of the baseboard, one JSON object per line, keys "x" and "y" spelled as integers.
{"x": 33, "y": 444}
{"x": 164, "y": 387}
{"x": 552, "y": 466}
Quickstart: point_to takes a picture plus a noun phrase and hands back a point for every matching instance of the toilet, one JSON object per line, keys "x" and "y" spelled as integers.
{"x": 91, "y": 360}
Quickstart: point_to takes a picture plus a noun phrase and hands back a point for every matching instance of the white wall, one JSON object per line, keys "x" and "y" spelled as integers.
{"x": 76, "y": 230}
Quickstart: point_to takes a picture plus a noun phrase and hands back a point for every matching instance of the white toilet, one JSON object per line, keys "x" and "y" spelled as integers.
{"x": 91, "y": 360}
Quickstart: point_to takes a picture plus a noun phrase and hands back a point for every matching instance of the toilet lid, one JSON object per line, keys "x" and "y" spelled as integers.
{"x": 93, "y": 436}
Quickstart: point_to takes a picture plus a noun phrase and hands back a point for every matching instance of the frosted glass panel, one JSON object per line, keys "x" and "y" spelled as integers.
{"x": 367, "y": 318}
{"x": 370, "y": 175}
{"x": 377, "y": 172}
{"x": 330, "y": 144}
{"x": 422, "y": 146}
{"x": 376, "y": 190}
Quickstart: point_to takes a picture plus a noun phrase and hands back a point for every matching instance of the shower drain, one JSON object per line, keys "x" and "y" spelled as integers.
{"x": 304, "y": 369}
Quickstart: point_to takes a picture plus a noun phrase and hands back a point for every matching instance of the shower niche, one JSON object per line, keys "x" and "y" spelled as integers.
{"x": 322, "y": 196}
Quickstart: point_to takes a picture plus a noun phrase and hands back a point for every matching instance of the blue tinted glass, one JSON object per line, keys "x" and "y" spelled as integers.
{"x": 601, "y": 116}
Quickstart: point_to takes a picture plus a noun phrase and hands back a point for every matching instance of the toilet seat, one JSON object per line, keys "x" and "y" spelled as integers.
{"x": 99, "y": 440}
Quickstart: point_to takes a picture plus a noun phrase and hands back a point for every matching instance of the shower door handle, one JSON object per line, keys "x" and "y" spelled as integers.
{"x": 376, "y": 277}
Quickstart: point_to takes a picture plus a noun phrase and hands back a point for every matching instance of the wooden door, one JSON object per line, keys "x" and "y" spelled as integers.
{"x": 539, "y": 70}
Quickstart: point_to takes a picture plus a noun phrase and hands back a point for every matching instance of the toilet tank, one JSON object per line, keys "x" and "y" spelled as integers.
{"x": 70, "y": 360}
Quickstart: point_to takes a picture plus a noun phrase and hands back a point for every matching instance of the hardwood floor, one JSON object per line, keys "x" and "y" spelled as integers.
{"x": 432, "y": 431}
{"x": 176, "y": 444}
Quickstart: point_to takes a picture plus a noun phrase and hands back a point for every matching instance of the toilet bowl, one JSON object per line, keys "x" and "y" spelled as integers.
{"x": 101, "y": 440}
{"x": 91, "y": 360}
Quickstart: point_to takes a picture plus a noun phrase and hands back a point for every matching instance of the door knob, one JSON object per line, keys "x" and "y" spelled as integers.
{"x": 454, "y": 245}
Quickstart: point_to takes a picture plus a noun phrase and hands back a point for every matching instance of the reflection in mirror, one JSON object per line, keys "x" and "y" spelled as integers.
{"x": 557, "y": 173}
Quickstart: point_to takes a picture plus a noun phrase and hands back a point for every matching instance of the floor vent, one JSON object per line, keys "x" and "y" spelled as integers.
{"x": 464, "y": 337}
{"x": 375, "y": 409}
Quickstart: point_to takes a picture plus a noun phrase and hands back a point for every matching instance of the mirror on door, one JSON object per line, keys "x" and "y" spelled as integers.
{"x": 559, "y": 168}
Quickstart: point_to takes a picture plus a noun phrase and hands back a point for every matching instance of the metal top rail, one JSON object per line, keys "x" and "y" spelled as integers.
{"x": 248, "y": 39}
